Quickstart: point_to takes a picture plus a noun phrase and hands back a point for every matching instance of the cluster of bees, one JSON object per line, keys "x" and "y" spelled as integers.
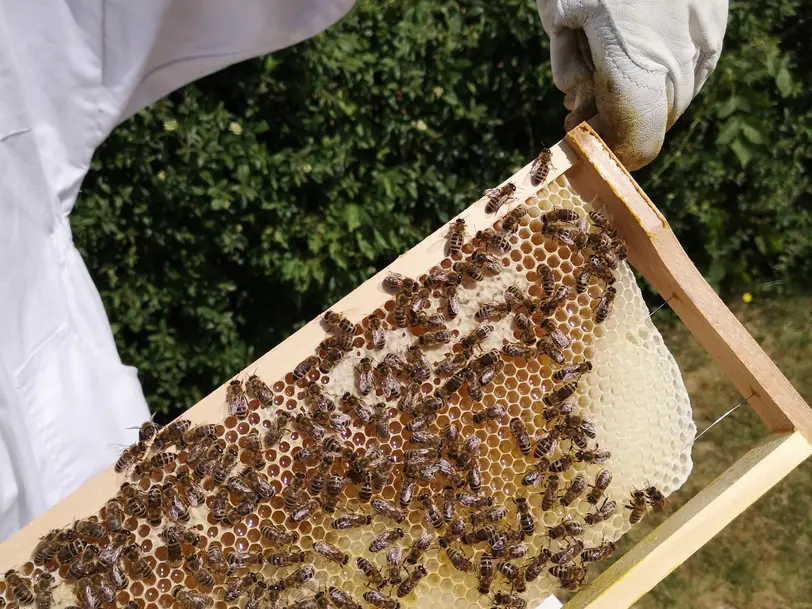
{"x": 439, "y": 472}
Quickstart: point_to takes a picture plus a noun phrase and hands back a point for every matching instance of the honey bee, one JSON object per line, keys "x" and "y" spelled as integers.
{"x": 194, "y": 565}
{"x": 395, "y": 282}
{"x": 133, "y": 501}
{"x": 602, "y": 481}
{"x": 111, "y": 552}
{"x": 332, "y": 492}
{"x": 380, "y": 600}
{"x": 338, "y": 323}
{"x": 238, "y": 586}
{"x": 559, "y": 395}
{"x": 191, "y": 600}
{"x": 432, "y": 339}
{"x": 574, "y": 490}
{"x": 518, "y": 299}
{"x": 340, "y": 599}
{"x": 316, "y": 395}
{"x": 570, "y": 373}
{"x": 71, "y": 550}
{"x": 469, "y": 451}
{"x": 572, "y": 236}
{"x": 458, "y": 561}
{"x": 601, "y": 552}
{"x": 434, "y": 517}
{"x": 147, "y": 431}
{"x": 603, "y": 513}
{"x": 305, "y": 366}
{"x": 337, "y": 341}
{"x": 541, "y": 167}
{"x": 394, "y": 563}
{"x": 87, "y": 595}
{"x": 139, "y": 567}
{"x": 495, "y": 240}
{"x": 47, "y": 546}
{"x": 371, "y": 572}
{"x": 494, "y": 514}
{"x": 308, "y": 426}
{"x": 466, "y": 268}
{"x": 519, "y": 431}
{"x": 638, "y": 506}
{"x": 592, "y": 456}
{"x": 90, "y": 528}
{"x": 387, "y": 381}
{"x": 242, "y": 560}
{"x": 292, "y": 495}
{"x": 386, "y": 509}
{"x": 519, "y": 350}
{"x": 513, "y": 574}
{"x": 219, "y": 505}
{"x": 535, "y": 475}
{"x": 567, "y": 528}
{"x": 87, "y": 564}
{"x": 570, "y": 575}
{"x": 382, "y": 473}
{"x": 172, "y": 434}
{"x": 604, "y": 307}
{"x": 377, "y": 328}
{"x": 546, "y": 443}
{"x": 452, "y": 301}
{"x": 366, "y": 490}
{"x": 510, "y": 223}
{"x": 455, "y": 237}
{"x": 552, "y": 303}
{"x": 536, "y": 565}
{"x": 491, "y": 413}
{"x": 276, "y": 428}
{"x": 497, "y": 197}
{"x": 656, "y": 499}
{"x": 526, "y": 520}
{"x": 43, "y": 591}
{"x": 420, "y": 298}
{"x": 485, "y": 573}
{"x": 400, "y": 313}
{"x": 285, "y": 559}
{"x": 411, "y": 581}
{"x": 550, "y": 493}
{"x": 278, "y": 536}
{"x": 351, "y": 521}
{"x": 330, "y": 360}
{"x": 303, "y": 512}
{"x": 225, "y": 464}
{"x": 237, "y": 399}
{"x": 259, "y": 390}
{"x": 105, "y": 590}
{"x": 477, "y": 336}
{"x": 511, "y": 601}
{"x": 129, "y": 456}
{"x": 171, "y": 536}
{"x": 567, "y": 554}
{"x": 429, "y": 322}
{"x": 214, "y": 556}
{"x": 317, "y": 602}
{"x": 330, "y": 552}
{"x": 385, "y": 539}
{"x": 484, "y": 260}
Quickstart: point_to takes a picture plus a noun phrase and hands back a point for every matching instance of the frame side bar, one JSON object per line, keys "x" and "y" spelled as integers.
{"x": 663, "y": 550}
{"x": 657, "y": 254}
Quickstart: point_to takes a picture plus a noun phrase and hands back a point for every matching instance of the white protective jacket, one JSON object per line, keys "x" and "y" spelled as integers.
{"x": 70, "y": 71}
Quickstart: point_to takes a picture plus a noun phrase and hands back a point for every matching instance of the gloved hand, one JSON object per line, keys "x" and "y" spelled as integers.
{"x": 638, "y": 62}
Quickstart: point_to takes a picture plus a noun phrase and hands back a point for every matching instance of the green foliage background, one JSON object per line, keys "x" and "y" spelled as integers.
{"x": 220, "y": 219}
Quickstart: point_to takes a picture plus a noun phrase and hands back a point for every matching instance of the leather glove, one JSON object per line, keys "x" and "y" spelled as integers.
{"x": 638, "y": 63}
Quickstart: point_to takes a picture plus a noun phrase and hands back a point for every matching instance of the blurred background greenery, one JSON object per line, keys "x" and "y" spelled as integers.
{"x": 221, "y": 219}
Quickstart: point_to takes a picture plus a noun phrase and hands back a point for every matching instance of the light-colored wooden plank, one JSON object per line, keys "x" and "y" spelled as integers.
{"x": 655, "y": 252}
{"x": 89, "y": 498}
{"x": 642, "y": 567}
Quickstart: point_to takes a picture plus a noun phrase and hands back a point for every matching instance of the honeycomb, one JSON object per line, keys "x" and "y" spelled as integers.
{"x": 633, "y": 394}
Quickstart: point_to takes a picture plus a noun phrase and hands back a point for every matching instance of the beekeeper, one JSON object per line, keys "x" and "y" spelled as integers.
{"x": 71, "y": 70}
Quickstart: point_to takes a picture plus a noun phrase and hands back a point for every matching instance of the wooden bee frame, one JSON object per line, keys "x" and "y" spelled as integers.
{"x": 653, "y": 251}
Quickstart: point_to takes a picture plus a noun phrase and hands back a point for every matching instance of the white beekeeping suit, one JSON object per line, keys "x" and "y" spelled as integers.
{"x": 71, "y": 70}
